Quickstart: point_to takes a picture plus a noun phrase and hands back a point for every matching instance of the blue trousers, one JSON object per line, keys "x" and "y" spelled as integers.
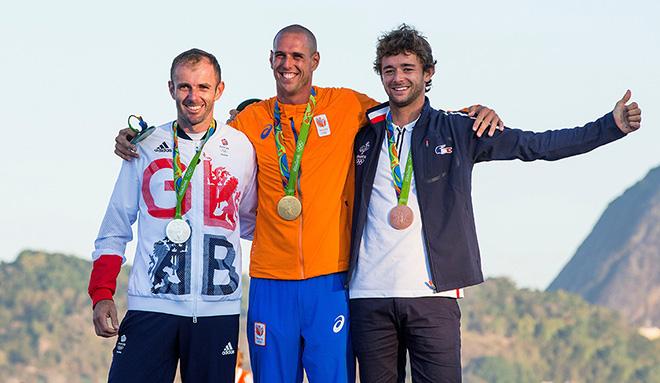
{"x": 296, "y": 325}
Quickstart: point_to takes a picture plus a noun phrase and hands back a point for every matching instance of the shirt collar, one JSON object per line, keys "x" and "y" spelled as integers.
{"x": 409, "y": 126}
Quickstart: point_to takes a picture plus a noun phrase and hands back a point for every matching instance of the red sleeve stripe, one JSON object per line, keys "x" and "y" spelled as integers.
{"x": 103, "y": 279}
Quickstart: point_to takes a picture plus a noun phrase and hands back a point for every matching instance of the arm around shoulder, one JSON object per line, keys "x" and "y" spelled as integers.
{"x": 247, "y": 209}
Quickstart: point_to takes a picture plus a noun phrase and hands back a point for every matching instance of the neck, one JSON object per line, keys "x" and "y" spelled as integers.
{"x": 403, "y": 115}
{"x": 294, "y": 99}
{"x": 197, "y": 128}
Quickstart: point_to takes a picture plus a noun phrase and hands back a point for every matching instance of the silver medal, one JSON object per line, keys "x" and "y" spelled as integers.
{"x": 177, "y": 231}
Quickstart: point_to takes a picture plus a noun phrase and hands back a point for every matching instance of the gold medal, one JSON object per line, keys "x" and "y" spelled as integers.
{"x": 401, "y": 216}
{"x": 289, "y": 207}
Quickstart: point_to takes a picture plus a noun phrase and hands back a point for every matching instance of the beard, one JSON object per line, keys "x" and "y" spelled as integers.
{"x": 401, "y": 102}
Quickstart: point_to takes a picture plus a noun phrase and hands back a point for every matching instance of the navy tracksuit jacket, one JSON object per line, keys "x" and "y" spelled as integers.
{"x": 444, "y": 151}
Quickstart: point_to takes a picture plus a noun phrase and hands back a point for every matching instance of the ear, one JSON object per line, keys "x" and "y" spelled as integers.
{"x": 218, "y": 90}
{"x": 316, "y": 59}
{"x": 429, "y": 73}
{"x": 270, "y": 59}
{"x": 170, "y": 85}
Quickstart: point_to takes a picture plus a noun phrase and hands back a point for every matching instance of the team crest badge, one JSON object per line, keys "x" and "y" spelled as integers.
{"x": 259, "y": 334}
{"x": 322, "y": 125}
{"x": 224, "y": 147}
{"x": 360, "y": 158}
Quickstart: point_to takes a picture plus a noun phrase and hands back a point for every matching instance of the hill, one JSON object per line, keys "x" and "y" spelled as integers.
{"x": 46, "y": 332}
{"x": 509, "y": 334}
{"x": 617, "y": 265}
{"x": 520, "y": 335}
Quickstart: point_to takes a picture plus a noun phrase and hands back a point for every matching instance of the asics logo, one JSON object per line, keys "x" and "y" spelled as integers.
{"x": 266, "y": 131}
{"x": 339, "y": 324}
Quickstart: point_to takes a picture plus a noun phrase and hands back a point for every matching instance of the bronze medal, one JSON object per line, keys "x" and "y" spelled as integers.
{"x": 289, "y": 207}
{"x": 401, "y": 217}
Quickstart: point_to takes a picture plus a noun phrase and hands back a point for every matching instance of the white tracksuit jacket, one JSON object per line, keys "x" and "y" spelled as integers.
{"x": 201, "y": 277}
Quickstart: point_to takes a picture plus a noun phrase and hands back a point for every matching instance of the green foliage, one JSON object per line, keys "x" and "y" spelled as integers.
{"x": 495, "y": 369}
{"x": 518, "y": 335}
{"x": 46, "y": 331}
{"x": 553, "y": 337}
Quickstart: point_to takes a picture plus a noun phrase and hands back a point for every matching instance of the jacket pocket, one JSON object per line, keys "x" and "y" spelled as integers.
{"x": 440, "y": 161}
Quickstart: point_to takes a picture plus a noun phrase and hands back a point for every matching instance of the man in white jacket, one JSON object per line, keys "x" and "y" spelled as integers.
{"x": 193, "y": 193}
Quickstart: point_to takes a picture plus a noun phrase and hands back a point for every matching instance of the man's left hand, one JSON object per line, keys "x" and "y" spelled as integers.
{"x": 628, "y": 118}
{"x": 486, "y": 119}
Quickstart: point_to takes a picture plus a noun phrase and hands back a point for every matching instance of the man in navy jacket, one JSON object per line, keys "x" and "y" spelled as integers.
{"x": 414, "y": 245}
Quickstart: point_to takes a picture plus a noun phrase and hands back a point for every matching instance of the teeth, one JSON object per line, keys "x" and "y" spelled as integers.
{"x": 194, "y": 108}
{"x": 288, "y": 75}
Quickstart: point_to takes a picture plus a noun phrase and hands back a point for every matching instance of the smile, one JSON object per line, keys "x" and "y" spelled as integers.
{"x": 288, "y": 75}
{"x": 193, "y": 108}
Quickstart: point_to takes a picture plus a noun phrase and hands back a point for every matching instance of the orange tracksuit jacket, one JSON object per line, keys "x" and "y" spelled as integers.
{"x": 317, "y": 242}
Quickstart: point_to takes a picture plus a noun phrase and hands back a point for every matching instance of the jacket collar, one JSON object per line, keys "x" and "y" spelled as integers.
{"x": 378, "y": 114}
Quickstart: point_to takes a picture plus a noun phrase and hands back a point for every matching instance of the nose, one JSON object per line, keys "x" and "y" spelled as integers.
{"x": 396, "y": 76}
{"x": 286, "y": 61}
{"x": 193, "y": 95}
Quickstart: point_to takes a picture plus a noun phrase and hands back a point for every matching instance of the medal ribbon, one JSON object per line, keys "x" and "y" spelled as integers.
{"x": 143, "y": 132}
{"x": 181, "y": 181}
{"x": 290, "y": 178}
{"x": 401, "y": 186}
{"x": 141, "y": 123}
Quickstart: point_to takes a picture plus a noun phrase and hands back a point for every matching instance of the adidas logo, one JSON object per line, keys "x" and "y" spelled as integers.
{"x": 229, "y": 350}
{"x": 163, "y": 148}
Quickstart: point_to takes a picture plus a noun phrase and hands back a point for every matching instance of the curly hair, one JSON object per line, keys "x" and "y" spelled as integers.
{"x": 404, "y": 39}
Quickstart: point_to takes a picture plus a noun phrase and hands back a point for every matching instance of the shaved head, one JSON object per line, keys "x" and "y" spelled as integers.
{"x": 296, "y": 28}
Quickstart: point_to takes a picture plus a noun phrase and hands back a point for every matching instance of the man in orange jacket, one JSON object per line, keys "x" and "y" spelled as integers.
{"x": 298, "y": 314}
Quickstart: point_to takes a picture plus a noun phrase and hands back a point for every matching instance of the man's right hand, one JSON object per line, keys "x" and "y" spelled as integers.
{"x": 123, "y": 146}
{"x": 102, "y": 311}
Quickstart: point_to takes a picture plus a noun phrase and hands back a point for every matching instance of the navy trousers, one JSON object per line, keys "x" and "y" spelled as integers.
{"x": 150, "y": 345}
{"x": 383, "y": 329}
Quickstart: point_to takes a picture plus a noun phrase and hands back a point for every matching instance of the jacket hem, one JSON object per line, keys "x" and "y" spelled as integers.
{"x": 203, "y": 308}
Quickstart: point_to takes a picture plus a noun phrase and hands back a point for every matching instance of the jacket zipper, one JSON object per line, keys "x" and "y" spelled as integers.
{"x": 426, "y": 236}
{"x": 354, "y": 262}
{"x": 194, "y": 245}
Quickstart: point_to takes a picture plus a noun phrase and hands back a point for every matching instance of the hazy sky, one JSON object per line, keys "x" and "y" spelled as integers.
{"x": 74, "y": 70}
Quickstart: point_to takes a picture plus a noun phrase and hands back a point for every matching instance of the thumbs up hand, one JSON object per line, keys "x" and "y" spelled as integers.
{"x": 628, "y": 118}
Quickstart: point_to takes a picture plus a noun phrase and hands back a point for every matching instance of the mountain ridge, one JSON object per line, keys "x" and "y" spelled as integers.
{"x": 617, "y": 264}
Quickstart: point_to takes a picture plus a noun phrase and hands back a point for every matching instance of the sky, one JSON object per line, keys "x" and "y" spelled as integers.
{"x": 74, "y": 70}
